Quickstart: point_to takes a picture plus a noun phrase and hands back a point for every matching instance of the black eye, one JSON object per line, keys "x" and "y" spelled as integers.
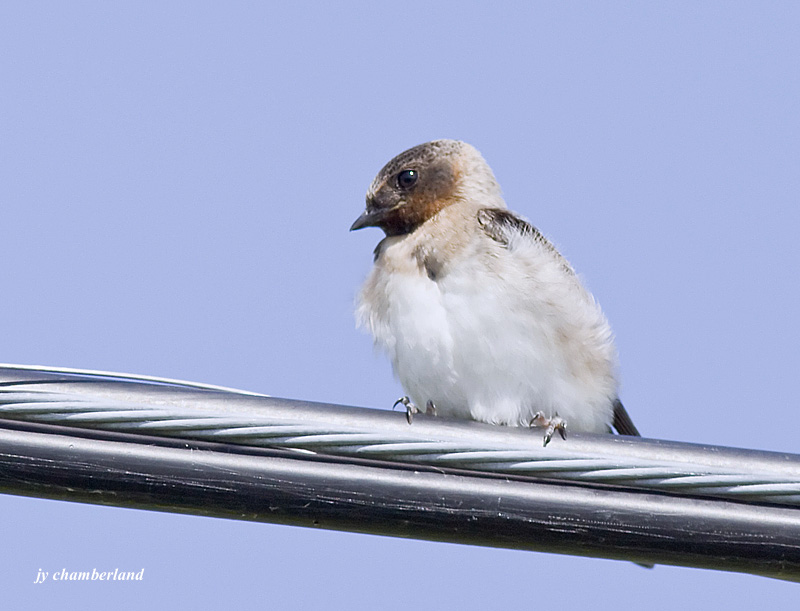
{"x": 407, "y": 179}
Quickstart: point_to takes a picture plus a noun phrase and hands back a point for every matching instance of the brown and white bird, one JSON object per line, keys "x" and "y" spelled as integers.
{"x": 480, "y": 315}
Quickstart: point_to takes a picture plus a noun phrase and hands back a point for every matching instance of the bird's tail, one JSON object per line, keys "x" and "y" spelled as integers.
{"x": 622, "y": 421}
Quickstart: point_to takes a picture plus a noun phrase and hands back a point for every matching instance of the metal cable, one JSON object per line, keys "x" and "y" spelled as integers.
{"x": 167, "y": 408}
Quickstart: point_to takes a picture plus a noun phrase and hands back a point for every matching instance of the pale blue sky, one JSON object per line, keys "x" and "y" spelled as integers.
{"x": 177, "y": 180}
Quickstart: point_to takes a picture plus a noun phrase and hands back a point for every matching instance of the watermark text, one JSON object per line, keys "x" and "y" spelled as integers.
{"x": 93, "y": 575}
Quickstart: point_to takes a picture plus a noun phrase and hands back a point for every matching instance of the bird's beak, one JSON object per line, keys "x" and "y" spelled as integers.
{"x": 371, "y": 217}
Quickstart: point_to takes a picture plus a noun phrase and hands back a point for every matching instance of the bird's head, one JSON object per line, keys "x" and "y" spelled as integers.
{"x": 418, "y": 183}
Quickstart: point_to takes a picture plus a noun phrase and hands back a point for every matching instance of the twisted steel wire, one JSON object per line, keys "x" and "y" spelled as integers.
{"x": 153, "y": 406}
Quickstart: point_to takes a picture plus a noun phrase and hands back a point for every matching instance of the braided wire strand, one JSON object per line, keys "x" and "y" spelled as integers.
{"x": 81, "y": 406}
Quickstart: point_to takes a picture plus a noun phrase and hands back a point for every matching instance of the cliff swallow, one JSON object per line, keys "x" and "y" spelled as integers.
{"x": 481, "y": 316}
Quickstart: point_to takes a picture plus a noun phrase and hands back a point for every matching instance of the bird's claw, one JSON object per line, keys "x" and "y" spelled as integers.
{"x": 411, "y": 409}
{"x": 551, "y": 425}
{"x": 430, "y": 408}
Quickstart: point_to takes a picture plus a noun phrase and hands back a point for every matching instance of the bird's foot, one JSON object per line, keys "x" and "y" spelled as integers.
{"x": 551, "y": 425}
{"x": 411, "y": 409}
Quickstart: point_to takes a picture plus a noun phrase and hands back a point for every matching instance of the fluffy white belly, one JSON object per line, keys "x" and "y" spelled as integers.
{"x": 478, "y": 350}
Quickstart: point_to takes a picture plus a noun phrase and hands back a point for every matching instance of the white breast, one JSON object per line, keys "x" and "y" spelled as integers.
{"x": 496, "y": 338}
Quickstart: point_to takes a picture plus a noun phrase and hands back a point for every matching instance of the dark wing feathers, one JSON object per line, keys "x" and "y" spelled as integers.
{"x": 622, "y": 421}
{"x": 501, "y": 225}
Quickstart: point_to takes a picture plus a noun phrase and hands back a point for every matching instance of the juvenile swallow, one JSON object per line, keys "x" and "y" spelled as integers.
{"x": 481, "y": 316}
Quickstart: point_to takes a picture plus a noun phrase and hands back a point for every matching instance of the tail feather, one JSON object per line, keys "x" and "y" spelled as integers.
{"x": 622, "y": 421}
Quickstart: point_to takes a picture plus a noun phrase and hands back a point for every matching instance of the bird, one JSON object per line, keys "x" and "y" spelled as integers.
{"x": 481, "y": 316}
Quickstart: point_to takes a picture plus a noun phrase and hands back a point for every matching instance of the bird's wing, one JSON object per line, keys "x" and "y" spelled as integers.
{"x": 508, "y": 229}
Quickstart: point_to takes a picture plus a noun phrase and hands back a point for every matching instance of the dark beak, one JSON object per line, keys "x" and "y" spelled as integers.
{"x": 369, "y": 218}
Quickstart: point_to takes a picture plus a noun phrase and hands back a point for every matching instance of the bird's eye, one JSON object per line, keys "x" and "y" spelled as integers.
{"x": 407, "y": 179}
